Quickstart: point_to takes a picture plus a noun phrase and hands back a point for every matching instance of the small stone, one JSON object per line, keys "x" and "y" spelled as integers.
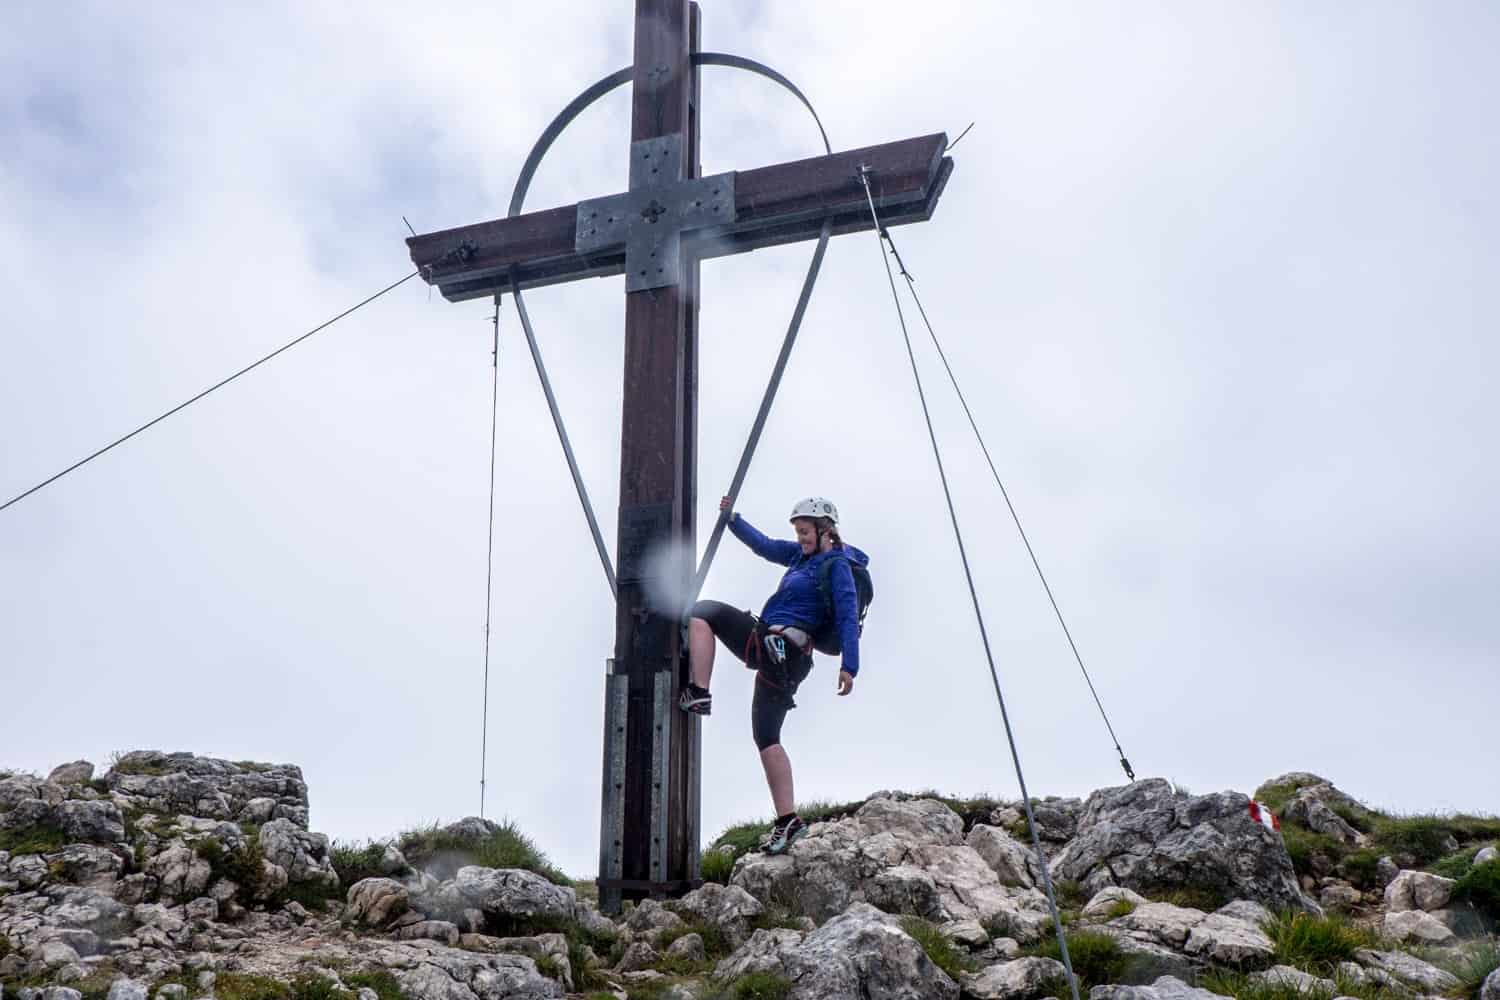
{"x": 1024, "y": 977}
{"x": 688, "y": 947}
{"x": 79, "y": 772}
{"x": 1491, "y": 988}
{"x": 296, "y": 911}
{"x": 172, "y": 991}
{"x": 203, "y": 908}
{"x": 1486, "y": 855}
{"x": 126, "y": 989}
{"x": 1416, "y": 925}
{"x": 638, "y": 956}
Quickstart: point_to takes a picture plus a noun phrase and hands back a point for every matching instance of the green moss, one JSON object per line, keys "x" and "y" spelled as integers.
{"x": 937, "y": 947}
{"x": 506, "y": 847}
{"x": 39, "y": 838}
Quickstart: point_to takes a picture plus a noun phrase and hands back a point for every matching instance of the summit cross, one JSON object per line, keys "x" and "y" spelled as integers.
{"x": 656, "y": 234}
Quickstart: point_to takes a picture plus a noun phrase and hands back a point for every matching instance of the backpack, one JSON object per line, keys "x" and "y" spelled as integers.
{"x": 826, "y": 639}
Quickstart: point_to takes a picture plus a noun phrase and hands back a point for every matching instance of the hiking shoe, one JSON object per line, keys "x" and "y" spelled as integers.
{"x": 696, "y": 700}
{"x": 775, "y": 647}
{"x": 784, "y": 836}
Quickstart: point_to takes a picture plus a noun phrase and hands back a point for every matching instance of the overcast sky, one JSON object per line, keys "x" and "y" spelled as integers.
{"x": 1220, "y": 281}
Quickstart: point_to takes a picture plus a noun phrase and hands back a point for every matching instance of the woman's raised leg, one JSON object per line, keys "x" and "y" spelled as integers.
{"x": 700, "y": 652}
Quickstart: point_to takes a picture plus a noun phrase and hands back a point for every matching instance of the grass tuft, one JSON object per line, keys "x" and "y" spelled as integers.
{"x": 1097, "y": 958}
{"x": 355, "y": 862}
{"x": 937, "y": 946}
{"x": 1480, "y": 888}
{"x": 439, "y": 850}
{"x": 755, "y": 986}
{"x": 1315, "y": 944}
{"x": 39, "y": 838}
{"x": 717, "y": 866}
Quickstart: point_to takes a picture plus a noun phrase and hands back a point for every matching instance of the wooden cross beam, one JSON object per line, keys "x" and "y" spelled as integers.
{"x": 656, "y": 234}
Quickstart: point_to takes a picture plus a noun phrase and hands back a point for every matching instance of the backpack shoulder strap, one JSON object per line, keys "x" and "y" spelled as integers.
{"x": 825, "y": 582}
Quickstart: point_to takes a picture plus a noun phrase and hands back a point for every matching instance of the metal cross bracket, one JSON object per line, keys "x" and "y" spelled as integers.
{"x": 650, "y": 219}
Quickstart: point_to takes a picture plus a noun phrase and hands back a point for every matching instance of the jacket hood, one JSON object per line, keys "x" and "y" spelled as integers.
{"x": 854, "y": 555}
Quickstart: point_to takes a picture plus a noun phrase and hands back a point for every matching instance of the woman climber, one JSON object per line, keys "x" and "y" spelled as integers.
{"x": 816, "y": 605}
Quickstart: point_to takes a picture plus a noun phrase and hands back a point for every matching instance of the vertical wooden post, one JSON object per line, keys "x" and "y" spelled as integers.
{"x": 645, "y": 841}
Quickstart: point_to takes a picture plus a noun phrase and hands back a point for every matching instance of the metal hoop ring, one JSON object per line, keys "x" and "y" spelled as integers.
{"x": 577, "y": 106}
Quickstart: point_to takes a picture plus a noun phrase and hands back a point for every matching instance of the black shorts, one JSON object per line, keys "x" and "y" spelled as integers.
{"x": 775, "y": 683}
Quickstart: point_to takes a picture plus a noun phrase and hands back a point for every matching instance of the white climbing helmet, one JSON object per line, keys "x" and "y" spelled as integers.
{"x": 815, "y": 507}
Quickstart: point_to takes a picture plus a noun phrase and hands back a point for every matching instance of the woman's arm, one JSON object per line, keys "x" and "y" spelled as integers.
{"x": 846, "y": 613}
{"x": 777, "y": 550}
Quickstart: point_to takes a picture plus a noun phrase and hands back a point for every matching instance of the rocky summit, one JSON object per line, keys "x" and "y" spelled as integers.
{"x": 178, "y": 877}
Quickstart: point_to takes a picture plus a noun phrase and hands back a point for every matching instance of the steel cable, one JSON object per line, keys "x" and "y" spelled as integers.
{"x": 1036, "y": 841}
{"x": 217, "y": 385}
{"x": 1078, "y": 657}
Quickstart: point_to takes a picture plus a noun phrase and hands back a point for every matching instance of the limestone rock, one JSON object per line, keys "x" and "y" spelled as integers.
{"x": 1018, "y": 980}
{"x": 729, "y": 908}
{"x": 1408, "y": 968}
{"x": 1147, "y": 838}
{"x": 764, "y": 951}
{"x": 863, "y": 953}
{"x": 1486, "y": 854}
{"x": 302, "y": 855}
{"x": 649, "y": 918}
{"x": 966, "y": 933}
{"x": 688, "y": 947}
{"x": 1418, "y": 926}
{"x": 1491, "y": 988}
{"x": 1414, "y": 890}
{"x": 1302, "y": 982}
{"x": 925, "y": 821}
{"x": 447, "y": 974}
{"x": 1013, "y": 862}
{"x": 1165, "y": 988}
{"x": 375, "y": 902}
{"x": 430, "y": 930}
{"x": 1106, "y": 900}
{"x": 180, "y": 873}
{"x": 638, "y": 955}
{"x": 1163, "y": 922}
{"x": 79, "y": 772}
{"x": 185, "y": 784}
{"x": 126, "y": 988}
{"x": 1224, "y": 939}
{"x": 513, "y": 892}
{"x": 1340, "y": 896}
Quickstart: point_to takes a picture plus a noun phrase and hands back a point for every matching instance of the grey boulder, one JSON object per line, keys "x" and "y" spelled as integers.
{"x": 1018, "y": 980}
{"x": 513, "y": 892}
{"x": 1146, "y": 837}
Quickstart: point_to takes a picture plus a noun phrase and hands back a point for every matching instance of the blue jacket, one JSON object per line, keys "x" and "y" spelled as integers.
{"x": 797, "y": 601}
